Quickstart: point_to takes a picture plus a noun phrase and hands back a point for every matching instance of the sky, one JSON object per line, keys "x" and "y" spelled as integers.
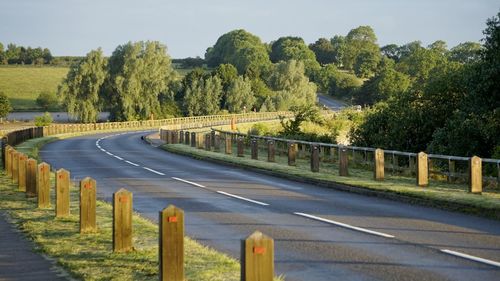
{"x": 189, "y": 27}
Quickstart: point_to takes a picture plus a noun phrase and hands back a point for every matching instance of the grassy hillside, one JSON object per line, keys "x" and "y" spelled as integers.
{"x": 23, "y": 84}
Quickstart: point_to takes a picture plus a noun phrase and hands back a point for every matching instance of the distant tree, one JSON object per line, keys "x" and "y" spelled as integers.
{"x": 325, "y": 77}
{"x": 202, "y": 96}
{"x": 366, "y": 64}
{"x": 439, "y": 46}
{"x": 5, "y": 107}
{"x": 359, "y": 40}
{"x": 391, "y": 51}
{"x": 408, "y": 49}
{"x": 240, "y": 97}
{"x": 294, "y": 48}
{"x": 80, "y": 89}
{"x": 242, "y": 49}
{"x": 227, "y": 73}
{"x": 3, "y": 59}
{"x": 47, "y": 100}
{"x": 324, "y": 51}
{"x": 339, "y": 46}
{"x": 420, "y": 62}
{"x": 344, "y": 85}
{"x": 301, "y": 114}
{"x": 466, "y": 52}
{"x": 387, "y": 84}
{"x": 138, "y": 73}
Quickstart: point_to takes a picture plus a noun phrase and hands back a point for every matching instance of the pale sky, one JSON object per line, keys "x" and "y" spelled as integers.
{"x": 188, "y": 27}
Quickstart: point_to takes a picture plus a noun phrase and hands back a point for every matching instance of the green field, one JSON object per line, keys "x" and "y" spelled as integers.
{"x": 23, "y": 84}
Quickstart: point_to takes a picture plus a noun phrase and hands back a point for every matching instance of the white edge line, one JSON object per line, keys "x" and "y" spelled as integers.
{"x": 243, "y": 198}
{"x": 111, "y": 154}
{"x": 132, "y": 163}
{"x": 189, "y": 182}
{"x": 469, "y": 257}
{"x": 151, "y": 170}
{"x": 118, "y": 157}
{"x": 345, "y": 225}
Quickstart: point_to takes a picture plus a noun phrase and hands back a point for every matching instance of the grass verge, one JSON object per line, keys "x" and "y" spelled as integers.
{"x": 439, "y": 194}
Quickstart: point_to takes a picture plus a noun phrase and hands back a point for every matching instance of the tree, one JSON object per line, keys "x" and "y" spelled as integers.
{"x": 294, "y": 48}
{"x": 80, "y": 89}
{"x": 240, "y": 97}
{"x": 467, "y": 52}
{"x": 301, "y": 114}
{"x": 325, "y": 76}
{"x": 366, "y": 64}
{"x": 387, "y": 84}
{"x": 3, "y": 59}
{"x": 420, "y": 62}
{"x": 227, "y": 73}
{"x": 47, "y": 100}
{"x": 242, "y": 49}
{"x": 324, "y": 51}
{"x": 339, "y": 46}
{"x": 43, "y": 120}
{"x": 138, "y": 73}
{"x": 439, "y": 46}
{"x": 391, "y": 51}
{"x": 344, "y": 85}
{"x": 359, "y": 40}
{"x": 202, "y": 96}
{"x": 5, "y": 107}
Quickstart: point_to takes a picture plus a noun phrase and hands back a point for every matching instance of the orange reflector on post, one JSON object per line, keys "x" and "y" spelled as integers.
{"x": 259, "y": 250}
{"x": 172, "y": 219}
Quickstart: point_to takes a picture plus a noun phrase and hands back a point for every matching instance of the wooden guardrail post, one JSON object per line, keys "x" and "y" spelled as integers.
{"x": 451, "y": 170}
{"x": 15, "y": 166}
{"x": 186, "y": 138}
{"x": 43, "y": 185}
{"x": 21, "y": 178}
{"x": 193, "y": 139}
{"x": 200, "y": 140}
{"x": 31, "y": 177}
{"x": 343, "y": 162}
{"x": 233, "y": 124}
{"x": 169, "y": 136}
{"x": 212, "y": 139}
{"x": 171, "y": 248}
{"x": 292, "y": 153}
{"x": 314, "y": 158}
{"x": 271, "y": 151}
{"x": 8, "y": 161}
{"x": 254, "y": 147}
{"x": 476, "y": 175}
{"x": 422, "y": 169}
{"x": 379, "y": 164}
{"x": 208, "y": 142}
{"x": 217, "y": 143}
{"x": 87, "y": 205}
{"x": 122, "y": 221}
{"x": 229, "y": 144}
{"x": 257, "y": 258}
{"x": 241, "y": 147}
{"x": 62, "y": 193}
{"x": 181, "y": 137}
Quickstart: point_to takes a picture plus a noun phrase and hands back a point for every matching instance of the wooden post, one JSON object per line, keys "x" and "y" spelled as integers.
{"x": 451, "y": 170}
{"x": 229, "y": 144}
{"x": 122, "y": 221}
{"x": 200, "y": 141}
{"x": 171, "y": 248}
{"x": 314, "y": 158}
{"x": 186, "y": 138}
{"x": 476, "y": 175}
{"x": 208, "y": 142}
{"x": 87, "y": 205}
{"x": 43, "y": 185}
{"x": 271, "y": 151}
{"x": 257, "y": 258}
{"x": 422, "y": 169}
{"x": 193, "y": 139}
{"x": 217, "y": 143}
{"x": 169, "y": 136}
{"x": 31, "y": 178}
{"x": 212, "y": 139}
{"x": 233, "y": 124}
{"x": 62, "y": 193}
{"x": 254, "y": 145}
{"x": 292, "y": 153}
{"x": 15, "y": 166}
{"x": 21, "y": 182}
{"x": 8, "y": 161}
{"x": 343, "y": 162}
{"x": 379, "y": 164}
{"x": 241, "y": 147}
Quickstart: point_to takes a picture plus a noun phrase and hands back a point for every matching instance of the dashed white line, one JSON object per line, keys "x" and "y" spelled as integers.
{"x": 118, "y": 157}
{"x": 151, "y": 170}
{"x": 469, "y": 257}
{"x": 243, "y": 198}
{"x": 345, "y": 225}
{"x": 190, "y": 182}
{"x": 131, "y": 163}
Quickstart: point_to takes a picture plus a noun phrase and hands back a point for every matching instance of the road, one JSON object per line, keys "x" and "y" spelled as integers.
{"x": 320, "y": 233}
{"x": 330, "y": 102}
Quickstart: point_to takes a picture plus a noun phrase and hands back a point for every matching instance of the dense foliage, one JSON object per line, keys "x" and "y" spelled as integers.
{"x": 14, "y": 54}
{"x": 5, "y": 107}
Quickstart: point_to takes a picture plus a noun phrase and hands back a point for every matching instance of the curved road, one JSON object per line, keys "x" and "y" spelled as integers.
{"x": 320, "y": 234}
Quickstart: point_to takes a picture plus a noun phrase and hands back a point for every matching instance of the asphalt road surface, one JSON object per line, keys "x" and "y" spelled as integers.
{"x": 331, "y": 103}
{"x": 320, "y": 234}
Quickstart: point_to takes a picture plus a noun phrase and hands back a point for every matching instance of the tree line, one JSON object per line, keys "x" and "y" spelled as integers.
{"x": 14, "y": 54}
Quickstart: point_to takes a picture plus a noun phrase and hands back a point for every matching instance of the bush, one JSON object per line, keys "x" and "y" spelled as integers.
{"x": 47, "y": 100}
{"x": 43, "y": 120}
{"x": 260, "y": 129}
{"x": 5, "y": 107}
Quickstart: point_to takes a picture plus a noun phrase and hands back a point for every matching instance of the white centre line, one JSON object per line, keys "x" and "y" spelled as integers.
{"x": 110, "y": 154}
{"x": 132, "y": 163}
{"x": 469, "y": 257}
{"x": 118, "y": 157}
{"x": 190, "y": 182}
{"x": 345, "y": 225}
{"x": 243, "y": 198}
{"x": 151, "y": 170}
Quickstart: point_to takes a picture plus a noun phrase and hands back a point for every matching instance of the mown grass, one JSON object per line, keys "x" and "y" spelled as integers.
{"x": 23, "y": 84}
{"x": 438, "y": 194}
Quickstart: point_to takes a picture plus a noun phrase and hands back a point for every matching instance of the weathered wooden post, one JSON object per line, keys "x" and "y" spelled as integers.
{"x": 257, "y": 258}
{"x": 200, "y": 141}
{"x": 451, "y": 170}
{"x": 31, "y": 177}
{"x": 212, "y": 138}
{"x": 208, "y": 142}
{"x": 343, "y": 162}
{"x": 43, "y": 185}
{"x": 171, "y": 248}
{"x": 233, "y": 124}
{"x": 62, "y": 193}
{"x": 229, "y": 144}
{"x": 15, "y": 166}
{"x": 175, "y": 137}
{"x": 422, "y": 169}
{"x": 241, "y": 147}
{"x": 21, "y": 181}
{"x": 271, "y": 151}
{"x": 254, "y": 147}
{"x": 314, "y": 158}
{"x": 217, "y": 143}
{"x": 8, "y": 161}
{"x": 186, "y": 138}
{"x": 181, "y": 137}
{"x": 122, "y": 221}
{"x": 169, "y": 136}
{"x": 476, "y": 175}
{"x": 292, "y": 153}
{"x": 87, "y": 205}
{"x": 379, "y": 164}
